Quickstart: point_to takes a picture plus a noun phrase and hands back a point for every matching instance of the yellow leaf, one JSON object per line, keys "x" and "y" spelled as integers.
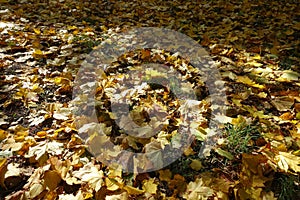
{"x": 260, "y": 114}
{"x": 90, "y": 174}
{"x": 151, "y": 73}
{"x": 283, "y": 103}
{"x": 254, "y": 63}
{"x": 287, "y": 161}
{"x": 61, "y": 81}
{"x": 75, "y": 32}
{"x": 189, "y": 151}
{"x": 197, "y": 190}
{"x": 289, "y": 75}
{"x": 296, "y": 153}
{"x": 37, "y": 31}
{"x": 268, "y": 196}
{"x": 297, "y": 116}
{"x": 256, "y": 57}
{"x": 72, "y": 27}
{"x": 20, "y": 136}
{"x": 232, "y": 39}
{"x": 36, "y": 88}
{"x": 281, "y": 147}
{"x": 246, "y": 80}
{"x": 229, "y": 74}
{"x": 79, "y": 196}
{"x": 165, "y": 175}
{"x": 237, "y": 101}
{"x": 3, "y": 170}
{"x": 196, "y": 165}
{"x": 3, "y": 134}
{"x": 199, "y": 134}
{"x": 57, "y": 80}
{"x": 51, "y": 31}
{"x": 262, "y": 95}
{"x": 122, "y": 196}
{"x": 38, "y": 52}
{"x": 149, "y": 186}
{"x": 35, "y": 190}
{"x": 254, "y": 192}
{"x": 62, "y": 167}
{"x": 133, "y": 190}
{"x": 111, "y": 184}
{"x": 103, "y": 28}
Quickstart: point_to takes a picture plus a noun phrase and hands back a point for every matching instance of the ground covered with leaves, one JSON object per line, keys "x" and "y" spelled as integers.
{"x": 255, "y": 154}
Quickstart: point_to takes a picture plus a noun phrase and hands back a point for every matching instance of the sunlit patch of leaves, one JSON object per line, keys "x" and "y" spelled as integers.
{"x": 256, "y": 79}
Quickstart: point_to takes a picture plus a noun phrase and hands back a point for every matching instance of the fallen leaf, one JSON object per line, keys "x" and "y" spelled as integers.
{"x": 132, "y": 190}
{"x": 149, "y": 186}
{"x": 196, "y": 165}
{"x": 90, "y": 174}
{"x": 52, "y": 179}
{"x": 224, "y": 153}
{"x": 3, "y": 170}
{"x": 196, "y": 190}
{"x": 286, "y": 161}
{"x": 246, "y": 80}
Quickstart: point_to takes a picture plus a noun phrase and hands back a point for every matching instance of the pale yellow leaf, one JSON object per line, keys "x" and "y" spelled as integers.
{"x": 246, "y": 80}
{"x": 149, "y": 186}
{"x": 90, "y": 174}
{"x": 122, "y": 196}
{"x": 196, "y": 190}
{"x": 287, "y": 161}
{"x": 35, "y": 190}
{"x": 133, "y": 190}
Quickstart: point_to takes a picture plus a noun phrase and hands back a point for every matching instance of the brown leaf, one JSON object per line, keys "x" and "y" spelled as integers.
{"x": 52, "y": 179}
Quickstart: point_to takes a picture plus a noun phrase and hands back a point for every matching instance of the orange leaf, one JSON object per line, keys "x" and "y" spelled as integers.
{"x": 287, "y": 116}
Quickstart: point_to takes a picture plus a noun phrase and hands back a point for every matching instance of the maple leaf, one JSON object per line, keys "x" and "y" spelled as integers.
{"x": 90, "y": 174}
{"x": 149, "y": 186}
{"x": 197, "y": 190}
{"x": 286, "y": 161}
{"x": 53, "y": 148}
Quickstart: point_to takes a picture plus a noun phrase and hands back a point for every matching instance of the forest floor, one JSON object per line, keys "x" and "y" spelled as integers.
{"x": 254, "y": 154}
